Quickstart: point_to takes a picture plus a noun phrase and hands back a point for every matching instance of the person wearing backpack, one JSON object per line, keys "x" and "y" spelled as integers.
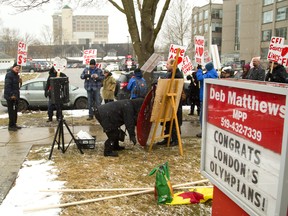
{"x": 137, "y": 85}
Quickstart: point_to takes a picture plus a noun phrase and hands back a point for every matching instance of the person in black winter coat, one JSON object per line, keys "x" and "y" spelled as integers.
{"x": 47, "y": 93}
{"x": 11, "y": 94}
{"x": 194, "y": 93}
{"x": 112, "y": 116}
{"x": 278, "y": 73}
{"x": 174, "y": 138}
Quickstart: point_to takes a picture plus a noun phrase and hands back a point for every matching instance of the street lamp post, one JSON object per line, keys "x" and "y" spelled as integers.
{"x": 128, "y": 45}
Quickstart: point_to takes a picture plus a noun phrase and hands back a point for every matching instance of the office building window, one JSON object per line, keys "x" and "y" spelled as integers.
{"x": 195, "y": 18}
{"x": 266, "y": 35}
{"x": 268, "y": 2}
{"x": 200, "y": 29}
{"x": 264, "y": 53}
{"x": 205, "y": 14}
{"x": 195, "y": 30}
{"x": 281, "y": 13}
{"x": 216, "y": 14}
{"x": 216, "y": 27}
{"x": 206, "y": 27}
{"x": 200, "y": 16}
{"x": 268, "y": 16}
{"x": 281, "y": 32}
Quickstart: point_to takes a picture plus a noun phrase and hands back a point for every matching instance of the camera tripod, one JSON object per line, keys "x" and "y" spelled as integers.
{"x": 59, "y": 137}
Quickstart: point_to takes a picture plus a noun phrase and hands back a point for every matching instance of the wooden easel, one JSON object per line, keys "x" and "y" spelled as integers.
{"x": 167, "y": 101}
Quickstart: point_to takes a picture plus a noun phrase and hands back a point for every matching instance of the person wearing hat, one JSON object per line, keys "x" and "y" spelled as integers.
{"x": 93, "y": 77}
{"x": 137, "y": 79}
{"x": 109, "y": 84}
{"x": 278, "y": 73}
{"x": 11, "y": 94}
{"x": 210, "y": 73}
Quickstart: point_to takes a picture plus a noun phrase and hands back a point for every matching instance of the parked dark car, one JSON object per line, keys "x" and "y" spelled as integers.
{"x": 32, "y": 96}
{"x": 31, "y": 67}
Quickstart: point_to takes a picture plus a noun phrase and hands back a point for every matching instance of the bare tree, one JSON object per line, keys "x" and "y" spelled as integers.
{"x": 47, "y": 35}
{"x": 143, "y": 37}
{"x": 177, "y": 26}
{"x": 9, "y": 39}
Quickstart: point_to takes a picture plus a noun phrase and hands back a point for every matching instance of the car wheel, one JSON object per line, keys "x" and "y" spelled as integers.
{"x": 81, "y": 103}
{"x": 22, "y": 105}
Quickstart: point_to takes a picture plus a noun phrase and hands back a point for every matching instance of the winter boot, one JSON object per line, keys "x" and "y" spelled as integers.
{"x": 108, "y": 149}
{"x": 117, "y": 147}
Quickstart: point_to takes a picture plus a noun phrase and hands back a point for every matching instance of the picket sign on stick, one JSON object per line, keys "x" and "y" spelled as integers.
{"x": 118, "y": 189}
{"x": 108, "y": 197}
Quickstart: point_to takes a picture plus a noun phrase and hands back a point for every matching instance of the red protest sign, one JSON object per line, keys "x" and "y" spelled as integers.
{"x": 88, "y": 55}
{"x": 21, "y": 53}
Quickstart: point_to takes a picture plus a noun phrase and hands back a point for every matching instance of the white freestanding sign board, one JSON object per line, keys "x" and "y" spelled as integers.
{"x": 244, "y": 143}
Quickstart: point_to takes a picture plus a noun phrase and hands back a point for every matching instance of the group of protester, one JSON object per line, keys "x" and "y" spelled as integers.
{"x": 114, "y": 114}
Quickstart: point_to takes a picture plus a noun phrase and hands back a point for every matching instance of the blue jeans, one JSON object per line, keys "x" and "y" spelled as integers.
{"x": 94, "y": 99}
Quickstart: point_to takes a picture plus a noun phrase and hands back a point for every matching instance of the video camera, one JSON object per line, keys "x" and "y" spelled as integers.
{"x": 59, "y": 90}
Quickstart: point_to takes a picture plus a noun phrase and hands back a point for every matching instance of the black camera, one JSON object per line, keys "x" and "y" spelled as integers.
{"x": 59, "y": 90}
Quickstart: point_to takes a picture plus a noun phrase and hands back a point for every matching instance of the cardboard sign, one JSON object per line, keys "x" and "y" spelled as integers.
{"x": 187, "y": 65}
{"x": 275, "y": 49}
{"x": 173, "y": 52}
{"x": 199, "y": 43}
{"x": 215, "y": 56}
{"x": 242, "y": 143}
{"x": 22, "y": 53}
{"x": 88, "y": 55}
{"x": 151, "y": 63}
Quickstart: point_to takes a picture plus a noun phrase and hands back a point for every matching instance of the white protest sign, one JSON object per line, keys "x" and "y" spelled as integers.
{"x": 207, "y": 56}
{"x": 199, "y": 42}
{"x": 59, "y": 64}
{"x": 173, "y": 52}
{"x": 88, "y": 55}
{"x": 215, "y": 56}
{"x": 275, "y": 49}
{"x": 21, "y": 53}
{"x": 187, "y": 65}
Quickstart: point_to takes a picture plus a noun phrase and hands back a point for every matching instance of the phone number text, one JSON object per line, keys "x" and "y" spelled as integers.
{"x": 241, "y": 129}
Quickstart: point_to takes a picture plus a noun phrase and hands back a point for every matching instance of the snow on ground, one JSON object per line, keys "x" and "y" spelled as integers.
{"x": 33, "y": 177}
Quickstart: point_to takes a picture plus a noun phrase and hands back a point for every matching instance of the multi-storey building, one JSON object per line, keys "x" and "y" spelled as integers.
{"x": 84, "y": 29}
{"x": 248, "y": 27}
{"x": 207, "y": 21}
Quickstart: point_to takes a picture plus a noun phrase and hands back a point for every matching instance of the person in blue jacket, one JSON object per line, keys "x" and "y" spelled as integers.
{"x": 210, "y": 73}
{"x": 138, "y": 77}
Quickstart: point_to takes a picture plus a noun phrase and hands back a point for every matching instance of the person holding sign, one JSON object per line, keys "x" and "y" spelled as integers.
{"x": 257, "y": 72}
{"x": 174, "y": 138}
{"x": 278, "y": 73}
{"x": 11, "y": 94}
{"x": 210, "y": 73}
{"x": 93, "y": 77}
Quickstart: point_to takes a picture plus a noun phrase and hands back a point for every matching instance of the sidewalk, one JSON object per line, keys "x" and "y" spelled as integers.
{"x": 14, "y": 147}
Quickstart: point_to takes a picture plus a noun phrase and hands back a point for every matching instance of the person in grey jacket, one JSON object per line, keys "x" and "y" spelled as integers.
{"x": 256, "y": 72}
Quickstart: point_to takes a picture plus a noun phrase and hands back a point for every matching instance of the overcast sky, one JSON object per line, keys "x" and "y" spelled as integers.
{"x": 33, "y": 21}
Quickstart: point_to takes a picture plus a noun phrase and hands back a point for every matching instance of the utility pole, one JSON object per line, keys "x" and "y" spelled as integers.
{"x": 210, "y": 27}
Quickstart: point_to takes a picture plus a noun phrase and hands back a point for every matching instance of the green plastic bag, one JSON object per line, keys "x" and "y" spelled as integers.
{"x": 163, "y": 188}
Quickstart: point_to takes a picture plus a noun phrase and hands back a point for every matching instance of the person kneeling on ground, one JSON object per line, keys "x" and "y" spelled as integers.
{"x": 112, "y": 116}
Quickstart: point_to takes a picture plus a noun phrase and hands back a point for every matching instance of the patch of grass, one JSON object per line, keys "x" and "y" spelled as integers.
{"x": 129, "y": 170}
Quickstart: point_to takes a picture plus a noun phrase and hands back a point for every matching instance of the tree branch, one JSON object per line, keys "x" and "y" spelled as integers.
{"x": 117, "y": 6}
